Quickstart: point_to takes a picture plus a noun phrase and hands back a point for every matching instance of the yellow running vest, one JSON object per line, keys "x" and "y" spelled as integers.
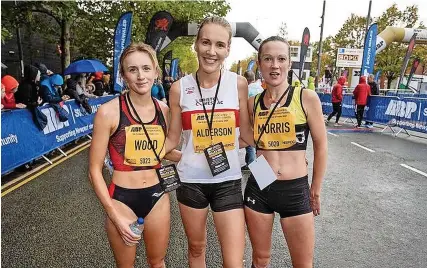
{"x": 287, "y": 129}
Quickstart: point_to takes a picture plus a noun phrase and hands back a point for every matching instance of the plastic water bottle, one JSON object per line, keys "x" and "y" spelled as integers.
{"x": 137, "y": 226}
{"x": 108, "y": 164}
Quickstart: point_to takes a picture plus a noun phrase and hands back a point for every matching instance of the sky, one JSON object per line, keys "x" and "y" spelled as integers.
{"x": 267, "y": 15}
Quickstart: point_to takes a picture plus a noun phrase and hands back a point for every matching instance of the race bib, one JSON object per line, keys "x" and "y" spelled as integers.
{"x": 223, "y": 131}
{"x": 138, "y": 151}
{"x": 279, "y": 133}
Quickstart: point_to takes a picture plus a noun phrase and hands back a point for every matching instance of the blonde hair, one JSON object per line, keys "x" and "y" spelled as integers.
{"x": 218, "y": 21}
{"x": 139, "y": 47}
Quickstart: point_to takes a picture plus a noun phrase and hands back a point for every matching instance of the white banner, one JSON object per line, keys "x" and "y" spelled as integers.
{"x": 349, "y": 57}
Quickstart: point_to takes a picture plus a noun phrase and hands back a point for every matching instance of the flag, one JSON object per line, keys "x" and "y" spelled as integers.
{"x": 250, "y": 65}
{"x": 413, "y": 69}
{"x": 122, "y": 36}
{"x": 406, "y": 60}
{"x": 305, "y": 41}
{"x": 369, "y": 50}
{"x": 174, "y": 68}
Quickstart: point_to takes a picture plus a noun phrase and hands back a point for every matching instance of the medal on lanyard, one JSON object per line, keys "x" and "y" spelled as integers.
{"x": 261, "y": 170}
{"x": 215, "y": 154}
{"x": 168, "y": 175}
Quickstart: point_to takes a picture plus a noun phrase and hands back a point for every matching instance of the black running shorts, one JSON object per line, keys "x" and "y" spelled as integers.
{"x": 287, "y": 197}
{"x": 221, "y": 196}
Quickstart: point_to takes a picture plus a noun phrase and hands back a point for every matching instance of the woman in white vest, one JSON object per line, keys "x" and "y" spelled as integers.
{"x": 208, "y": 107}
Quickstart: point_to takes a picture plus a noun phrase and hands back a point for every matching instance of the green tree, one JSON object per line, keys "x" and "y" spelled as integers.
{"x": 87, "y": 27}
{"x": 283, "y": 30}
{"x": 391, "y": 58}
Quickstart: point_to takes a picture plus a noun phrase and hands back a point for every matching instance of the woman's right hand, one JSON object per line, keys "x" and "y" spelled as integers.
{"x": 129, "y": 238}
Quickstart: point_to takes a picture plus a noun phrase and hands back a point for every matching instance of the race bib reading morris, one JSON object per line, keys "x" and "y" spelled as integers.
{"x": 223, "y": 130}
{"x": 279, "y": 133}
{"x": 138, "y": 151}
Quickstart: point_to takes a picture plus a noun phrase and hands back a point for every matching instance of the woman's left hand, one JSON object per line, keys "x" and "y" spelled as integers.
{"x": 315, "y": 201}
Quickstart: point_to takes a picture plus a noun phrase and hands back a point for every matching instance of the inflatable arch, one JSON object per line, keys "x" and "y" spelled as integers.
{"x": 396, "y": 34}
{"x": 239, "y": 29}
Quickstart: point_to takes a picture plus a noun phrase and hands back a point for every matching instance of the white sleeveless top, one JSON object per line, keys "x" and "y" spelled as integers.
{"x": 193, "y": 167}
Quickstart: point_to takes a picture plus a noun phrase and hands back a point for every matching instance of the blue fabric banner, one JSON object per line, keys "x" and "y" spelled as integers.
{"x": 369, "y": 50}
{"x": 22, "y": 141}
{"x": 409, "y": 112}
{"x": 122, "y": 37}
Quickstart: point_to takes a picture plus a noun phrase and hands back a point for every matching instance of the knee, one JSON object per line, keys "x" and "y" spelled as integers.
{"x": 156, "y": 262}
{"x": 261, "y": 260}
{"x": 197, "y": 249}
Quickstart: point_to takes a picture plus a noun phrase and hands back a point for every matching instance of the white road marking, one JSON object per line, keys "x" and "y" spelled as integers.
{"x": 330, "y": 133}
{"x": 363, "y": 147}
{"x": 414, "y": 169}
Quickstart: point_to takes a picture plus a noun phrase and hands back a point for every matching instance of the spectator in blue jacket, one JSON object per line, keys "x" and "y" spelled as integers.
{"x": 158, "y": 92}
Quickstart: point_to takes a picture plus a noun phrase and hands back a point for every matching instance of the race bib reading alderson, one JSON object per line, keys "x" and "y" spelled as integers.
{"x": 223, "y": 130}
{"x": 279, "y": 133}
{"x": 138, "y": 151}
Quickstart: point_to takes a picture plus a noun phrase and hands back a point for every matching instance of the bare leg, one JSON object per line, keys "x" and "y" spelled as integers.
{"x": 194, "y": 221}
{"x": 260, "y": 228}
{"x": 123, "y": 254}
{"x": 299, "y": 234}
{"x": 230, "y": 227}
{"x": 156, "y": 232}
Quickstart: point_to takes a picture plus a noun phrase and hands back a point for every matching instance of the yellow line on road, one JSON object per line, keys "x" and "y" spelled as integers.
{"x": 43, "y": 171}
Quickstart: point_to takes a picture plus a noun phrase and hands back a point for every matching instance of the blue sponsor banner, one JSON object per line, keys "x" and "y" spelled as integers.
{"x": 22, "y": 141}
{"x": 174, "y": 68}
{"x": 377, "y": 76}
{"x": 409, "y": 113}
{"x": 369, "y": 50}
{"x": 122, "y": 37}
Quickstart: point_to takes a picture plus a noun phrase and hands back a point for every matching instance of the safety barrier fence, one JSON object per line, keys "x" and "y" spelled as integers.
{"x": 395, "y": 113}
{"x": 22, "y": 141}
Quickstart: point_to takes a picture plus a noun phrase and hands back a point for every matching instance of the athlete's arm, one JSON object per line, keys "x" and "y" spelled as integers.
{"x": 175, "y": 127}
{"x": 245, "y": 126}
{"x": 102, "y": 127}
{"x": 313, "y": 109}
{"x": 173, "y": 155}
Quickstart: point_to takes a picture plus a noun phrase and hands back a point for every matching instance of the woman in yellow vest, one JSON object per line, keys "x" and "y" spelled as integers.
{"x": 282, "y": 118}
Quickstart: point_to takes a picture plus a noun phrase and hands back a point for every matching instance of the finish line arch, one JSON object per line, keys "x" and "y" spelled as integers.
{"x": 239, "y": 29}
{"x": 396, "y": 34}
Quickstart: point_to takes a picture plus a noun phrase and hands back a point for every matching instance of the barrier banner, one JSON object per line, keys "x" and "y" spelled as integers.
{"x": 22, "y": 141}
{"x": 408, "y": 113}
{"x": 122, "y": 35}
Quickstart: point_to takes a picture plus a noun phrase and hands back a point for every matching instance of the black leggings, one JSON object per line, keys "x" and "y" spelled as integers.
{"x": 359, "y": 114}
{"x": 337, "y": 108}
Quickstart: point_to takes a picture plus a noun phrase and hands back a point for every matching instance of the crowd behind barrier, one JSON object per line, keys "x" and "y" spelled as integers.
{"x": 403, "y": 111}
{"x": 22, "y": 141}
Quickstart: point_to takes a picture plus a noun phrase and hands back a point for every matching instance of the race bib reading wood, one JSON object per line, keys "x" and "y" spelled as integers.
{"x": 223, "y": 130}
{"x": 279, "y": 133}
{"x": 138, "y": 151}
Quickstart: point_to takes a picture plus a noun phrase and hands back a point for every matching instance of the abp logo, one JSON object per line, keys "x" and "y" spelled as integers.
{"x": 53, "y": 123}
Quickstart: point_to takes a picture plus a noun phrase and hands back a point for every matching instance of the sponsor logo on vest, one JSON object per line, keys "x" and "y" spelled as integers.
{"x": 208, "y": 101}
{"x": 401, "y": 108}
{"x": 215, "y": 132}
{"x": 263, "y": 113}
{"x": 136, "y": 129}
{"x": 189, "y": 90}
{"x": 201, "y": 117}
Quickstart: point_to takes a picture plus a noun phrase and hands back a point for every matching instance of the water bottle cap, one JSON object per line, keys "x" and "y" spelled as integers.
{"x": 140, "y": 221}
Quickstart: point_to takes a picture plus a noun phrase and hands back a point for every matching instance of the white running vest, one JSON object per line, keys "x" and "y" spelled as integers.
{"x": 193, "y": 167}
